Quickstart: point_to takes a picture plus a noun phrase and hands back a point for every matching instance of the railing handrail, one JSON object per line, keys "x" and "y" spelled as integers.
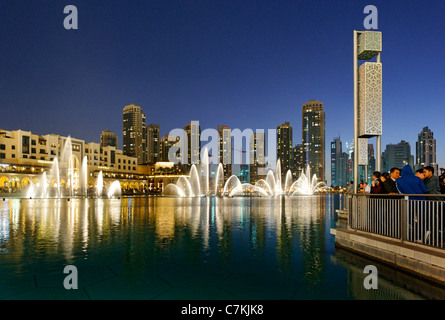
{"x": 397, "y": 195}
{"x": 401, "y": 216}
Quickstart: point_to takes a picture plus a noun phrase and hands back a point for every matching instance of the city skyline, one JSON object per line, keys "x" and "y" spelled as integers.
{"x": 261, "y": 84}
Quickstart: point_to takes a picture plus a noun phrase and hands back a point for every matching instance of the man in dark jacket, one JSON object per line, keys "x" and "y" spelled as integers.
{"x": 431, "y": 183}
{"x": 390, "y": 184}
{"x": 408, "y": 183}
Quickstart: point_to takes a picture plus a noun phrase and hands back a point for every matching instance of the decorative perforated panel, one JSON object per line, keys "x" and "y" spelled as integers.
{"x": 362, "y": 151}
{"x": 370, "y": 99}
{"x": 369, "y": 44}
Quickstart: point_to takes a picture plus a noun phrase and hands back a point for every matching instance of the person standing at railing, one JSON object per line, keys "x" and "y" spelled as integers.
{"x": 351, "y": 187}
{"x": 408, "y": 183}
{"x": 383, "y": 178}
{"x": 431, "y": 183}
{"x": 390, "y": 184}
{"x": 442, "y": 184}
{"x": 366, "y": 188}
{"x": 376, "y": 184}
{"x": 419, "y": 173}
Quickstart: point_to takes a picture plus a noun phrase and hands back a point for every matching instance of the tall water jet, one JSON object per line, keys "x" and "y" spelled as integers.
{"x": 115, "y": 189}
{"x": 305, "y": 185}
{"x": 84, "y": 176}
{"x": 55, "y": 174}
{"x": 100, "y": 184}
{"x": 184, "y": 184}
{"x": 173, "y": 190}
{"x": 194, "y": 181}
{"x": 67, "y": 161}
{"x": 44, "y": 192}
{"x": 270, "y": 179}
{"x": 219, "y": 180}
{"x": 263, "y": 184}
{"x": 288, "y": 182}
{"x": 205, "y": 172}
{"x": 278, "y": 186}
{"x": 232, "y": 183}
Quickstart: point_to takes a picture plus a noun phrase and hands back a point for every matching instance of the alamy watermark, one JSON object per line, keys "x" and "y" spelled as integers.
{"x": 71, "y": 280}
{"x": 186, "y": 145}
{"x": 371, "y": 280}
{"x": 71, "y": 20}
{"x": 371, "y": 21}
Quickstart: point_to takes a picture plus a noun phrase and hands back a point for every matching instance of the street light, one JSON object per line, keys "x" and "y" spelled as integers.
{"x": 367, "y": 97}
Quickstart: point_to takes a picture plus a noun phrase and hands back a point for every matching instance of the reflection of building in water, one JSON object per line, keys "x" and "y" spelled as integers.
{"x": 257, "y": 224}
{"x": 285, "y": 240}
{"x": 387, "y": 276}
{"x": 311, "y": 213}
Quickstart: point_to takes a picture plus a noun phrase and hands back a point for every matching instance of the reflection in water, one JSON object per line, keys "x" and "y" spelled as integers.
{"x": 276, "y": 238}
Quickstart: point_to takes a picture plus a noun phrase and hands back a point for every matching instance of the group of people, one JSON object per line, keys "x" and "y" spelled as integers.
{"x": 404, "y": 181}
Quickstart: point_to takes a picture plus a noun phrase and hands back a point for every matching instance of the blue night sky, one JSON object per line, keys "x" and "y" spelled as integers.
{"x": 245, "y": 64}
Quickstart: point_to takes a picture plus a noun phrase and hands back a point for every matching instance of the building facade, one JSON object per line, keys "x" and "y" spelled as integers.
{"x": 108, "y": 138}
{"x": 153, "y": 143}
{"x": 313, "y": 128}
{"x": 193, "y": 140}
{"x": 25, "y": 157}
{"x": 225, "y": 149}
{"x": 297, "y": 161}
{"x": 426, "y": 150}
{"x": 165, "y": 146}
{"x": 257, "y": 157}
{"x": 284, "y": 148}
{"x": 134, "y": 133}
{"x": 397, "y": 156}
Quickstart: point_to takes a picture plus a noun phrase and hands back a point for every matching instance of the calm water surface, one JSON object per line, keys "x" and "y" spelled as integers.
{"x": 185, "y": 248}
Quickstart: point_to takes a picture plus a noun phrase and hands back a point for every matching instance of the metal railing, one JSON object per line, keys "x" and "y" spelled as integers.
{"x": 404, "y": 217}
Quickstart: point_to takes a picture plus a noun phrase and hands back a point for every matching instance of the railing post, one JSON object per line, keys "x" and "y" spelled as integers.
{"x": 403, "y": 218}
{"x": 351, "y": 210}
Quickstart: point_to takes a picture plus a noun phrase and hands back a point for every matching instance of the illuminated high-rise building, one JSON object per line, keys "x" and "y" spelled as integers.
{"x": 257, "y": 157}
{"x": 193, "y": 132}
{"x": 108, "y": 139}
{"x": 284, "y": 148}
{"x": 153, "y": 143}
{"x": 225, "y": 149}
{"x": 314, "y": 137}
{"x": 426, "y": 150}
{"x": 134, "y": 133}
{"x": 297, "y": 161}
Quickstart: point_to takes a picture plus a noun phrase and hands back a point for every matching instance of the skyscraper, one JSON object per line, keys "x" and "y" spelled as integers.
{"x": 257, "y": 157}
{"x": 339, "y": 164}
{"x": 297, "y": 161}
{"x": 153, "y": 143}
{"x": 108, "y": 139}
{"x": 134, "y": 133}
{"x": 225, "y": 149}
{"x": 284, "y": 148}
{"x": 314, "y": 137}
{"x": 193, "y": 133}
{"x": 426, "y": 150}
{"x": 336, "y": 152}
{"x": 164, "y": 148}
{"x": 397, "y": 156}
